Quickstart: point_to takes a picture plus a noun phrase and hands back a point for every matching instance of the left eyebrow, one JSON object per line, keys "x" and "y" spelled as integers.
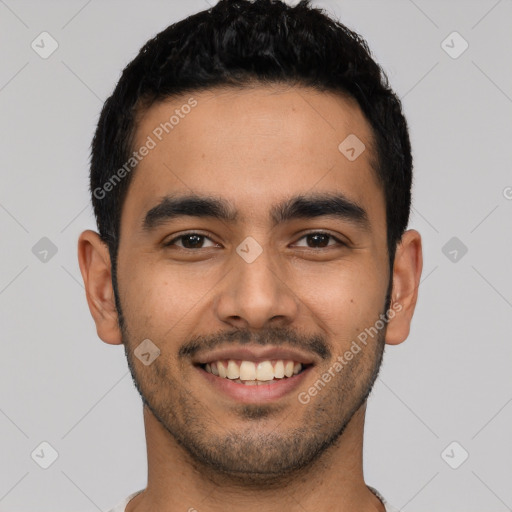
{"x": 297, "y": 207}
{"x": 320, "y": 205}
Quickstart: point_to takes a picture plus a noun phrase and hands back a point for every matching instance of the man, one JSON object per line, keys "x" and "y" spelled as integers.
{"x": 251, "y": 179}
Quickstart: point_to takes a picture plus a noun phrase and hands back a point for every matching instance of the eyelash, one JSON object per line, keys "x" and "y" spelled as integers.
{"x": 190, "y": 233}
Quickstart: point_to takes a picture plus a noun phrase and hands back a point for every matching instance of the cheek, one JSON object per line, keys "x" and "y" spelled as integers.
{"x": 158, "y": 301}
{"x": 345, "y": 300}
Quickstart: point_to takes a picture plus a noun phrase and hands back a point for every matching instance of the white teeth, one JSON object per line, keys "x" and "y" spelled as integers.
{"x": 265, "y": 371}
{"x": 248, "y": 370}
{"x": 279, "y": 370}
{"x": 221, "y": 369}
{"x": 251, "y": 373}
{"x": 233, "y": 370}
{"x": 254, "y": 382}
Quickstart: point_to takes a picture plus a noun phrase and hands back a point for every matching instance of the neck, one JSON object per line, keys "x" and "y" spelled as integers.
{"x": 177, "y": 482}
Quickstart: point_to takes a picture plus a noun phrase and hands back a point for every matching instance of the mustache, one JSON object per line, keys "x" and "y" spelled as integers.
{"x": 271, "y": 336}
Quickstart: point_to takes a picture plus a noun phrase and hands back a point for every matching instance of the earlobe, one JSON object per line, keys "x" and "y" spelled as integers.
{"x": 95, "y": 266}
{"x": 406, "y": 279}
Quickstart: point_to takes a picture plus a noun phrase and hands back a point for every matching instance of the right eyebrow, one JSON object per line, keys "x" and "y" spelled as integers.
{"x": 194, "y": 206}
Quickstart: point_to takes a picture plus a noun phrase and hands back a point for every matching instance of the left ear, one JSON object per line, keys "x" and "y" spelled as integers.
{"x": 406, "y": 280}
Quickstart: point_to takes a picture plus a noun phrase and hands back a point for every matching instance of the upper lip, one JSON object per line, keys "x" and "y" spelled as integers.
{"x": 256, "y": 354}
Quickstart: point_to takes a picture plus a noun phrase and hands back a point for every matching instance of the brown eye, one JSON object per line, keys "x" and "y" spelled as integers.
{"x": 319, "y": 240}
{"x": 190, "y": 241}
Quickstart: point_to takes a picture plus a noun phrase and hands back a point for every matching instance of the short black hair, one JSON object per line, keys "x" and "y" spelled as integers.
{"x": 239, "y": 43}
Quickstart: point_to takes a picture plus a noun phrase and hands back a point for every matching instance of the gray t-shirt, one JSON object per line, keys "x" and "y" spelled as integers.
{"x": 122, "y": 506}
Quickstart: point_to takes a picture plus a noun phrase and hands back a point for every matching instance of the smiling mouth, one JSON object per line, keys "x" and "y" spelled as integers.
{"x": 250, "y": 373}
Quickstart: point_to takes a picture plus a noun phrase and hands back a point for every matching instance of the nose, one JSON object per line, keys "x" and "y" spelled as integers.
{"x": 257, "y": 294}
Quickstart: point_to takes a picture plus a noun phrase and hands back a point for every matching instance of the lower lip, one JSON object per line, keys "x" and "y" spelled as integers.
{"x": 260, "y": 393}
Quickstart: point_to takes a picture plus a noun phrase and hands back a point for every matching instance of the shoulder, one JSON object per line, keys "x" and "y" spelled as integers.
{"x": 121, "y": 507}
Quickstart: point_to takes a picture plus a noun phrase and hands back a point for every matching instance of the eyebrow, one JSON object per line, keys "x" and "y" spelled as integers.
{"x": 297, "y": 207}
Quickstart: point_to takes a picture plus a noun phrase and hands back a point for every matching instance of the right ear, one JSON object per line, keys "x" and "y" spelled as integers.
{"x": 95, "y": 266}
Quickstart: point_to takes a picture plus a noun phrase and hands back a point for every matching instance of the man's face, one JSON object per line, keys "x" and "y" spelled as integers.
{"x": 276, "y": 284}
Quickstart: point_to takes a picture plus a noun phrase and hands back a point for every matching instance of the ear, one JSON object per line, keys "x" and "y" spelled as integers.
{"x": 95, "y": 266}
{"x": 406, "y": 280}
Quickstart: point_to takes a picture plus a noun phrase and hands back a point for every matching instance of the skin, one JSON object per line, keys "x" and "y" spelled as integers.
{"x": 253, "y": 147}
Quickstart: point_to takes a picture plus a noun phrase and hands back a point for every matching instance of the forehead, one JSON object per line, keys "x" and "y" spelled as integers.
{"x": 254, "y": 146}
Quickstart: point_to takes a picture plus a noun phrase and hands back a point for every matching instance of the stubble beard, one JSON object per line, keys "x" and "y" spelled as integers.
{"x": 255, "y": 455}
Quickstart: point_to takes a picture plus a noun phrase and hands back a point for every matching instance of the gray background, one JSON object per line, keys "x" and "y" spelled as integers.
{"x": 450, "y": 381}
